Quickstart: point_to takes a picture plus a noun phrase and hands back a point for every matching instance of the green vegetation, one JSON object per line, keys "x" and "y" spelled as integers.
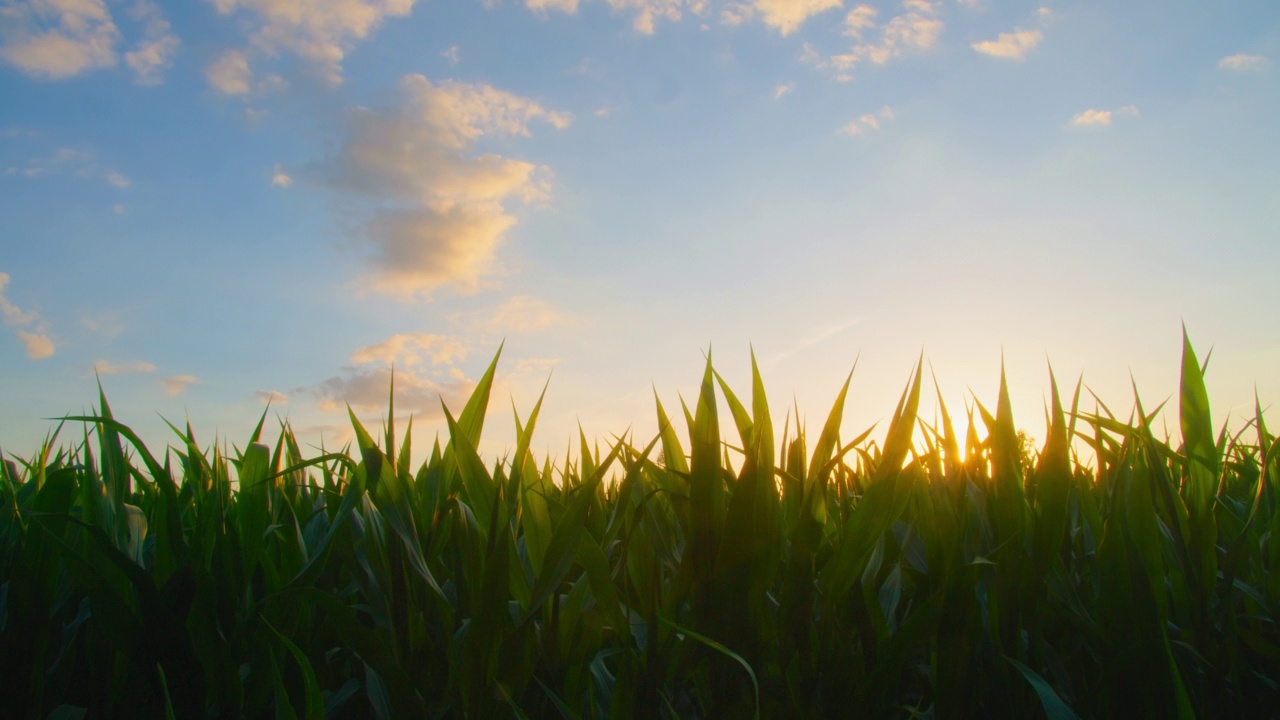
{"x": 771, "y": 576}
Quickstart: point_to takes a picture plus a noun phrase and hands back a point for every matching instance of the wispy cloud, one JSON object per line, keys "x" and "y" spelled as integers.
{"x": 78, "y": 163}
{"x": 56, "y": 39}
{"x": 274, "y": 397}
{"x": 1092, "y": 117}
{"x": 869, "y": 122}
{"x": 542, "y": 7}
{"x": 916, "y": 29}
{"x": 153, "y": 54}
{"x": 1011, "y": 45}
{"x": 1101, "y": 118}
{"x": 438, "y": 213}
{"x": 36, "y": 340}
{"x": 175, "y": 385}
{"x": 1242, "y": 62}
{"x": 783, "y": 89}
{"x": 105, "y": 367}
{"x": 425, "y": 373}
{"x": 321, "y": 32}
{"x": 451, "y": 54}
{"x": 38, "y": 345}
{"x": 412, "y": 350}
{"x": 516, "y": 314}
{"x": 230, "y": 74}
{"x": 785, "y": 16}
{"x": 280, "y": 178}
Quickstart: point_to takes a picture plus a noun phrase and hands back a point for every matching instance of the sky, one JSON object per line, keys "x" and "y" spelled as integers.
{"x": 208, "y": 206}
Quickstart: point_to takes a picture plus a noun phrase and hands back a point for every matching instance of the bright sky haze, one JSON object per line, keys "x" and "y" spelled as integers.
{"x": 211, "y": 205}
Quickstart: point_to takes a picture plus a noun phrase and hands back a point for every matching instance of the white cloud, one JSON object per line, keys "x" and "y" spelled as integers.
{"x": 1010, "y": 46}
{"x": 785, "y": 16}
{"x": 1241, "y": 62}
{"x": 916, "y": 29}
{"x": 230, "y": 73}
{"x": 782, "y": 90}
{"x": 38, "y": 344}
{"x": 13, "y": 315}
{"x": 1101, "y": 118}
{"x": 540, "y": 7}
{"x": 274, "y": 397}
{"x": 735, "y": 13}
{"x": 648, "y": 12}
{"x": 868, "y": 122}
{"x": 534, "y": 366}
{"x": 56, "y": 39}
{"x": 425, "y": 373}
{"x": 412, "y": 350}
{"x": 280, "y": 178}
{"x": 1092, "y": 117}
{"x": 440, "y": 216}
{"x": 366, "y": 389}
{"x": 520, "y": 314}
{"x": 79, "y": 163}
{"x": 322, "y": 32}
{"x": 451, "y": 54}
{"x": 153, "y": 54}
{"x": 422, "y": 248}
{"x": 860, "y": 19}
{"x": 175, "y": 385}
{"x": 103, "y": 367}
{"x": 603, "y": 112}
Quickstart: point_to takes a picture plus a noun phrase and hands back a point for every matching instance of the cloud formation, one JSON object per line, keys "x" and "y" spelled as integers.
{"x": 1011, "y": 45}
{"x": 273, "y": 397}
{"x": 648, "y": 12}
{"x": 78, "y": 163}
{"x": 229, "y": 74}
{"x": 280, "y": 178}
{"x": 1242, "y": 62}
{"x": 519, "y": 314}
{"x": 104, "y": 367}
{"x": 153, "y": 54}
{"x": 542, "y": 7}
{"x": 439, "y": 214}
{"x": 321, "y": 32}
{"x": 175, "y": 385}
{"x": 1101, "y": 118}
{"x": 869, "y": 122}
{"x": 425, "y": 374}
{"x": 36, "y": 341}
{"x": 58, "y": 39}
{"x": 917, "y": 28}
{"x": 412, "y": 350}
{"x": 785, "y": 16}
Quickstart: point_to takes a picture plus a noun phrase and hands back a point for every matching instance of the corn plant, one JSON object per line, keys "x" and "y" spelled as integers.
{"x": 724, "y": 571}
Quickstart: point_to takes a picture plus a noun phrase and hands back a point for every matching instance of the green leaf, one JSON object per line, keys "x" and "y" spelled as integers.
{"x": 1053, "y": 705}
{"x": 755, "y": 685}
{"x": 310, "y": 685}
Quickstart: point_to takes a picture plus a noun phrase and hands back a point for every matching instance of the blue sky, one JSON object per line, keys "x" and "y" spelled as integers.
{"x": 216, "y": 203}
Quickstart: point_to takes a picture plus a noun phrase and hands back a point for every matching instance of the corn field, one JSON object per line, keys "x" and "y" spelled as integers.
{"x": 749, "y": 574}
